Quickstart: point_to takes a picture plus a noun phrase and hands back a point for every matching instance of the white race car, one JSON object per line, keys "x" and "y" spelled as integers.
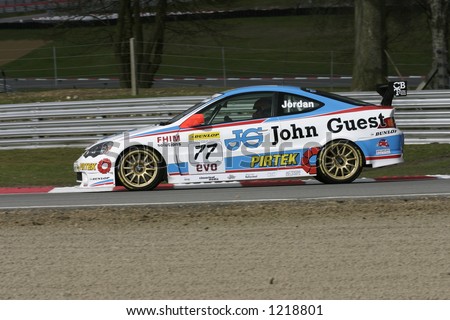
{"x": 260, "y": 132}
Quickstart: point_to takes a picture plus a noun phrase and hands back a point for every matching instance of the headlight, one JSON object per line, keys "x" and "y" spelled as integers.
{"x": 98, "y": 149}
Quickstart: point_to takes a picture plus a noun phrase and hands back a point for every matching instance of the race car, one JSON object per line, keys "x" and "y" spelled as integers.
{"x": 257, "y": 132}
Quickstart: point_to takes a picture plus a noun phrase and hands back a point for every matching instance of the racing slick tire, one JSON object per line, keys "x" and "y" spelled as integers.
{"x": 140, "y": 169}
{"x": 339, "y": 161}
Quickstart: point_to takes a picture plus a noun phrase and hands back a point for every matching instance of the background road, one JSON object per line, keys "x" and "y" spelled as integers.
{"x": 216, "y": 195}
{"x": 26, "y": 84}
{"x": 313, "y": 82}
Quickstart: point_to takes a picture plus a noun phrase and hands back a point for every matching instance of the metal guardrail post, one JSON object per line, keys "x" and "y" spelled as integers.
{"x": 5, "y": 89}
{"x": 134, "y": 89}
{"x": 424, "y": 117}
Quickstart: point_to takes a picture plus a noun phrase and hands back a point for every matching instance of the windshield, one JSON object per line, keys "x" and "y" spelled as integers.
{"x": 189, "y": 110}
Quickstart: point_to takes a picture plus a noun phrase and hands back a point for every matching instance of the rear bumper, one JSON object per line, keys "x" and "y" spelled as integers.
{"x": 382, "y": 161}
{"x": 383, "y": 150}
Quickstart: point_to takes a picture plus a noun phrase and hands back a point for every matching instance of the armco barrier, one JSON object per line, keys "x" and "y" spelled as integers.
{"x": 424, "y": 116}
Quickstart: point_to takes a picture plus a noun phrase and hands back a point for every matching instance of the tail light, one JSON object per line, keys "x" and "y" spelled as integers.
{"x": 388, "y": 123}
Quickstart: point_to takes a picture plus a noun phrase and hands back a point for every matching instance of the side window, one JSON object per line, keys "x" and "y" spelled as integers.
{"x": 292, "y": 104}
{"x": 240, "y": 108}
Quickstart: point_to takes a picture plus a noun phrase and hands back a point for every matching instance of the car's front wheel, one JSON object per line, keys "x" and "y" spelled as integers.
{"x": 339, "y": 161}
{"x": 140, "y": 168}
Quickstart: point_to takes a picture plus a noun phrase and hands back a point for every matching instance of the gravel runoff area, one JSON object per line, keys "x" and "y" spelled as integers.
{"x": 350, "y": 249}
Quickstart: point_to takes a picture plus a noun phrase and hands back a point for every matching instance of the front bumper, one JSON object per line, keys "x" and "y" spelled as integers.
{"x": 95, "y": 172}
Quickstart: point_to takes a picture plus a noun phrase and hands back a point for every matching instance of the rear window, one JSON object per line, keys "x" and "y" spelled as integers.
{"x": 337, "y": 97}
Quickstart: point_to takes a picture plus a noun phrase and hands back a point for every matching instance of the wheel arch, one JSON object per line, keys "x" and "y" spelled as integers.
{"x": 324, "y": 176}
{"x": 348, "y": 140}
{"x": 139, "y": 146}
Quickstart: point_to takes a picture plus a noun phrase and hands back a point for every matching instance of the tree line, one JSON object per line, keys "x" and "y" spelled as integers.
{"x": 370, "y": 62}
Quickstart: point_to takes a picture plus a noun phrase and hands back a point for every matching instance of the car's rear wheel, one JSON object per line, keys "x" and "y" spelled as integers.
{"x": 339, "y": 161}
{"x": 140, "y": 168}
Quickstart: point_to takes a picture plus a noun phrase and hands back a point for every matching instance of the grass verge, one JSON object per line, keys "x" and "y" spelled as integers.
{"x": 54, "y": 167}
{"x": 66, "y": 95}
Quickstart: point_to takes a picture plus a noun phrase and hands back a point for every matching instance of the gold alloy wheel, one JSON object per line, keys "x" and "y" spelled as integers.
{"x": 139, "y": 169}
{"x": 339, "y": 162}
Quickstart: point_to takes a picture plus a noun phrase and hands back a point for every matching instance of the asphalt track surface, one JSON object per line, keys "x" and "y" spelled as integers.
{"x": 356, "y": 190}
{"x": 373, "y": 240}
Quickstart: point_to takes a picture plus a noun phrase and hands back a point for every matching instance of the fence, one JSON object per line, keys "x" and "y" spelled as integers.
{"x": 424, "y": 117}
{"x": 58, "y": 66}
{"x": 14, "y": 6}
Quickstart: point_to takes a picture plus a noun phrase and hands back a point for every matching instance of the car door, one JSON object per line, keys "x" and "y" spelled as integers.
{"x": 297, "y": 133}
{"x": 233, "y": 134}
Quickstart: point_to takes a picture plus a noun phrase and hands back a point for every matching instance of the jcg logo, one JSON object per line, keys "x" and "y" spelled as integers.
{"x": 251, "y": 138}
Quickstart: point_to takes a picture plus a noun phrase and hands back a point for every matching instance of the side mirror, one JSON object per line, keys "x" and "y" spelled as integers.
{"x": 193, "y": 121}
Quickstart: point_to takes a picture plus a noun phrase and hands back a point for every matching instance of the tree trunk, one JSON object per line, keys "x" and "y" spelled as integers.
{"x": 122, "y": 47}
{"x": 148, "y": 50}
{"x": 370, "y": 65}
{"x": 438, "y": 20}
{"x": 151, "y": 57}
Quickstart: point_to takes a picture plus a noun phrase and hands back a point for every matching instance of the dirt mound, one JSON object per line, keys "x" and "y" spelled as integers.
{"x": 383, "y": 249}
{"x": 11, "y": 50}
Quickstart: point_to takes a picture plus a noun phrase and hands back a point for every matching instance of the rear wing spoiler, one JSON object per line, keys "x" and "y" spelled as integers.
{"x": 391, "y": 90}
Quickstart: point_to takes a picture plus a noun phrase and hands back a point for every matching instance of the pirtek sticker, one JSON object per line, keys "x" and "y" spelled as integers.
{"x": 276, "y": 160}
{"x": 88, "y": 166}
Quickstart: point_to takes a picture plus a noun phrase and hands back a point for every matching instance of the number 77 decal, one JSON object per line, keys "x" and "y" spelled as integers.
{"x": 210, "y": 149}
{"x": 206, "y": 158}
